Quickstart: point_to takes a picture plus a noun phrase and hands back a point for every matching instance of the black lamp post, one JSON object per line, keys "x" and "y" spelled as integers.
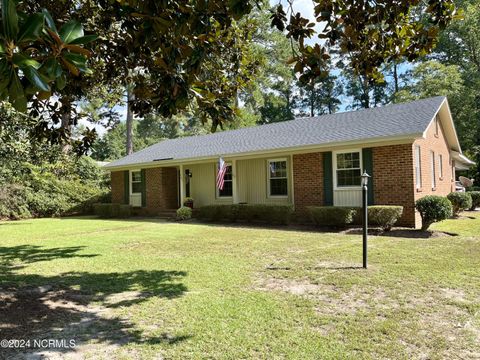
{"x": 365, "y": 178}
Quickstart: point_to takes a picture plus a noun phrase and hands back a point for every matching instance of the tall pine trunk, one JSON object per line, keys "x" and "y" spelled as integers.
{"x": 129, "y": 120}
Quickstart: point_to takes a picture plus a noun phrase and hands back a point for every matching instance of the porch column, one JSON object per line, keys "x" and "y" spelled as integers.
{"x": 182, "y": 185}
{"x": 234, "y": 182}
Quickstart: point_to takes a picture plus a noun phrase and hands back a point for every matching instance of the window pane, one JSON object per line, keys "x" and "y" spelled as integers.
{"x": 348, "y": 177}
{"x": 227, "y": 189}
{"x": 278, "y": 187}
{"x": 278, "y": 169}
{"x": 136, "y": 187}
{"x": 136, "y": 176}
{"x": 228, "y": 173}
{"x": 348, "y": 160}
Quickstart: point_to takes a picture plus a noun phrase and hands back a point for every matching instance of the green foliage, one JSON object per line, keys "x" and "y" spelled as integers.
{"x": 433, "y": 208}
{"x": 184, "y": 213}
{"x": 334, "y": 216}
{"x": 460, "y": 201}
{"x": 35, "y": 58}
{"x": 384, "y": 216}
{"x": 475, "y": 199}
{"x": 107, "y": 211}
{"x": 270, "y": 214}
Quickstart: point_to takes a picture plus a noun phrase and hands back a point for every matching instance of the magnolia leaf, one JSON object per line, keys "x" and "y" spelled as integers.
{"x": 78, "y": 49}
{"x": 32, "y": 27}
{"x": 70, "y": 67}
{"x": 2, "y": 48}
{"x": 71, "y": 31}
{"x": 78, "y": 60}
{"x": 52, "y": 69}
{"x": 23, "y": 61}
{"x": 17, "y": 94}
{"x": 61, "y": 82}
{"x": 35, "y": 78}
{"x": 9, "y": 19}
{"x": 84, "y": 40}
{"x": 49, "y": 20}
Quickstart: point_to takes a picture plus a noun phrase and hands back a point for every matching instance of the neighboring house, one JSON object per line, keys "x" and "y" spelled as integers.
{"x": 410, "y": 150}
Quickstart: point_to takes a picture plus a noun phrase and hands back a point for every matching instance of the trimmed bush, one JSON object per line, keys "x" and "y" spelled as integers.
{"x": 334, "y": 216}
{"x": 475, "y": 199}
{"x": 384, "y": 216}
{"x": 107, "y": 211}
{"x": 433, "y": 208}
{"x": 460, "y": 201}
{"x": 184, "y": 213}
{"x": 271, "y": 214}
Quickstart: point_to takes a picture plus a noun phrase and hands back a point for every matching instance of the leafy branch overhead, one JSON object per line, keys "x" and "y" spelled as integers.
{"x": 366, "y": 34}
{"x": 36, "y": 58}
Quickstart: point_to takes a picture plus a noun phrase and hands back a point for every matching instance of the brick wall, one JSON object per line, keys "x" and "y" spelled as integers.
{"x": 307, "y": 181}
{"x": 437, "y": 143}
{"x": 118, "y": 187}
{"x": 162, "y": 188}
{"x": 393, "y": 179}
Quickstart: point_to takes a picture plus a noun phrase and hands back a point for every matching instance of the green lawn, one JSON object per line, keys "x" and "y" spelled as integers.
{"x": 147, "y": 289}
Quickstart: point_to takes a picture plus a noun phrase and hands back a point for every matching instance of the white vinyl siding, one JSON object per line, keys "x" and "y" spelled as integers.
{"x": 418, "y": 167}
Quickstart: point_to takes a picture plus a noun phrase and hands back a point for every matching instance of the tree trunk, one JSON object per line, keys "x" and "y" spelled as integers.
{"x": 129, "y": 120}
{"x": 66, "y": 122}
{"x": 395, "y": 77}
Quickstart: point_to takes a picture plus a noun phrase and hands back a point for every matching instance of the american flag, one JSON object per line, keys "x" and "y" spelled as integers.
{"x": 222, "y": 169}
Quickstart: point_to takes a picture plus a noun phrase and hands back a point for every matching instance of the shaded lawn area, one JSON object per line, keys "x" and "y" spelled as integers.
{"x": 148, "y": 289}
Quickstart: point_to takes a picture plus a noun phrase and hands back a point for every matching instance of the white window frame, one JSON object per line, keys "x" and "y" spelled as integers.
{"x": 334, "y": 161}
{"x": 418, "y": 166}
{"x": 440, "y": 166}
{"x": 433, "y": 172}
{"x": 269, "y": 177}
{"x": 131, "y": 181}
{"x": 216, "y": 188}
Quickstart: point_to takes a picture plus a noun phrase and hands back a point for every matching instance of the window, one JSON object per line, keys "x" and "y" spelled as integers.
{"x": 278, "y": 183}
{"x": 440, "y": 166}
{"x": 227, "y": 190}
{"x": 348, "y": 169}
{"x": 434, "y": 179}
{"x": 136, "y": 182}
{"x": 418, "y": 170}
{"x": 436, "y": 125}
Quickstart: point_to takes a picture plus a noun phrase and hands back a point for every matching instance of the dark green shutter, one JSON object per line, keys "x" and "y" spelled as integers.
{"x": 144, "y": 188}
{"x": 126, "y": 193}
{"x": 328, "y": 178}
{"x": 367, "y": 157}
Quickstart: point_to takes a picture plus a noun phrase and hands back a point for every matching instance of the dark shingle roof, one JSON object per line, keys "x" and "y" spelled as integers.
{"x": 389, "y": 121}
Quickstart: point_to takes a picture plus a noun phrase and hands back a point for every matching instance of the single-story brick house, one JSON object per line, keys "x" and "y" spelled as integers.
{"x": 410, "y": 150}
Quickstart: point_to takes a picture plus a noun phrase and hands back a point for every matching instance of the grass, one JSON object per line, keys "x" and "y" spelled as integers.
{"x": 146, "y": 289}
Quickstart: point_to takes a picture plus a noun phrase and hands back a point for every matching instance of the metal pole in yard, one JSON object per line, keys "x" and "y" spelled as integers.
{"x": 365, "y": 177}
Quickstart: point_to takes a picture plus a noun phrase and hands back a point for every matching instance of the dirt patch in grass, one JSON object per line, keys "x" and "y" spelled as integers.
{"x": 400, "y": 232}
{"x": 438, "y": 315}
{"x": 61, "y": 314}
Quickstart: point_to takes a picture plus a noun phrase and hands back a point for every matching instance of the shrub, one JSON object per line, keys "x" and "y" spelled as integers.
{"x": 184, "y": 213}
{"x": 247, "y": 212}
{"x": 475, "y": 199}
{"x": 384, "y": 216}
{"x": 433, "y": 208}
{"x": 107, "y": 211}
{"x": 460, "y": 201}
{"x": 334, "y": 216}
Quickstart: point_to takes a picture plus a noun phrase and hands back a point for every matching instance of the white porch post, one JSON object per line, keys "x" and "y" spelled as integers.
{"x": 182, "y": 185}
{"x": 234, "y": 182}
